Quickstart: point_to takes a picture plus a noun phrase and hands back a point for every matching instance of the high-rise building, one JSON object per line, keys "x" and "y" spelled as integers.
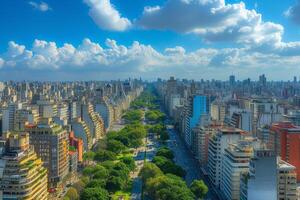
{"x": 93, "y": 121}
{"x": 284, "y": 139}
{"x": 260, "y": 182}
{"x": 269, "y": 177}
{"x": 195, "y": 107}
{"x": 21, "y": 117}
{"x": 242, "y": 119}
{"x": 232, "y": 80}
{"x": 105, "y": 110}
{"x": 81, "y": 130}
{"x": 8, "y": 115}
{"x": 263, "y": 134}
{"x": 218, "y": 111}
{"x": 51, "y": 142}
{"x": 286, "y": 181}
{"x": 218, "y": 142}
{"x": 262, "y": 80}
{"x": 293, "y": 117}
{"x": 236, "y": 161}
{"x": 22, "y": 173}
{"x": 201, "y": 135}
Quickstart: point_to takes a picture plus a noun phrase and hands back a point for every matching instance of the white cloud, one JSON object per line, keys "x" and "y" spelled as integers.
{"x": 1, "y": 62}
{"x": 293, "y": 13}
{"x": 214, "y": 20}
{"x": 42, "y": 6}
{"x": 106, "y": 16}
{"x": 90, "y": 60}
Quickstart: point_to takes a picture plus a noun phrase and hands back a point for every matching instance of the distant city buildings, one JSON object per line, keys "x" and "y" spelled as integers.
{"x": 244, "y": 134}
{"x": 46, "y": 127}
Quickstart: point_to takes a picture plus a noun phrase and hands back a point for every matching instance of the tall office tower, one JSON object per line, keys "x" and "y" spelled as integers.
{"x": 218, "y": 142}
{"x": 268, "y": 178}
{"x": 51, "y": 142}
{"x": 284, "y": 139}
{"x": 262, "y": 80}
{"x": 81, "y": 130}
{"x": 22, "y": 173}
{"x": 171, "y": 88}
{"x": 72, "y": 110}
{"x": 232, "y": 80}
{"x": 194, "y": 108}
{"x": 218, "y": 110}
{"x": 236, "y": 161}
{"x": 242, "y": 119}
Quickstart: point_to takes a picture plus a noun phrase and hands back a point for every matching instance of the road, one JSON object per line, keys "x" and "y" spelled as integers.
{"x": 185, "y": 159}
{"x": 150, "y": 148}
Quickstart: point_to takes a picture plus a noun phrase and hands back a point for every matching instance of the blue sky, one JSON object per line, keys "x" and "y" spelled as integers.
{"x": 109, "y": 39}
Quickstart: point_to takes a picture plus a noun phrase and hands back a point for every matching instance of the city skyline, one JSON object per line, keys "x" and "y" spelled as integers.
{"x": 110, "y": 39}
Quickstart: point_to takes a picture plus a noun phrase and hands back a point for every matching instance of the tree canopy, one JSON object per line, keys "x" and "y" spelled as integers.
{"x": 94, "y": 194}
{"x": 199, "y": 188}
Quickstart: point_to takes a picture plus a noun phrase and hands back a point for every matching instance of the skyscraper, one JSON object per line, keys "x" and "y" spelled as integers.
{"x": 232, "y": 80}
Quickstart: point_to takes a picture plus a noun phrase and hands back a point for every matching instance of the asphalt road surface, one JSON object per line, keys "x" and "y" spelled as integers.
{"x": 185, "y": 159}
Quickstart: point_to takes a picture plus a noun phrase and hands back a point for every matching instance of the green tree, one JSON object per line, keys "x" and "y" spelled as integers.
{"x": 133, "y": 115}
{"x": 149, "y": 170}
{"x": 168, "y": 187}
{"x": 129, "y": 161}
{"x": 94, "y": 194}
{"x": 100, "y": 172}
{"x": 105, "y": 155}
{"x": 115, "y": 183}
{"x": 89, "y": 155}
{"x": 199, "y": 188}
{"x": 96, "y": 183}
{"x": 72, "y": 194}
{"x": 88, "y": 171}
{"x": 163, "y": 136}
{"x": 109, "y": 165}
{"x": 165, "y": 152}
{"x": 115, "y": 146}
{"x": 168, "y": 166}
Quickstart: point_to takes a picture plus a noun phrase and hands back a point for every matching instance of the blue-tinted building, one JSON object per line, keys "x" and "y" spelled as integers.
{"x": 195, "y": 108}
{"x": 198, "y": 109}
